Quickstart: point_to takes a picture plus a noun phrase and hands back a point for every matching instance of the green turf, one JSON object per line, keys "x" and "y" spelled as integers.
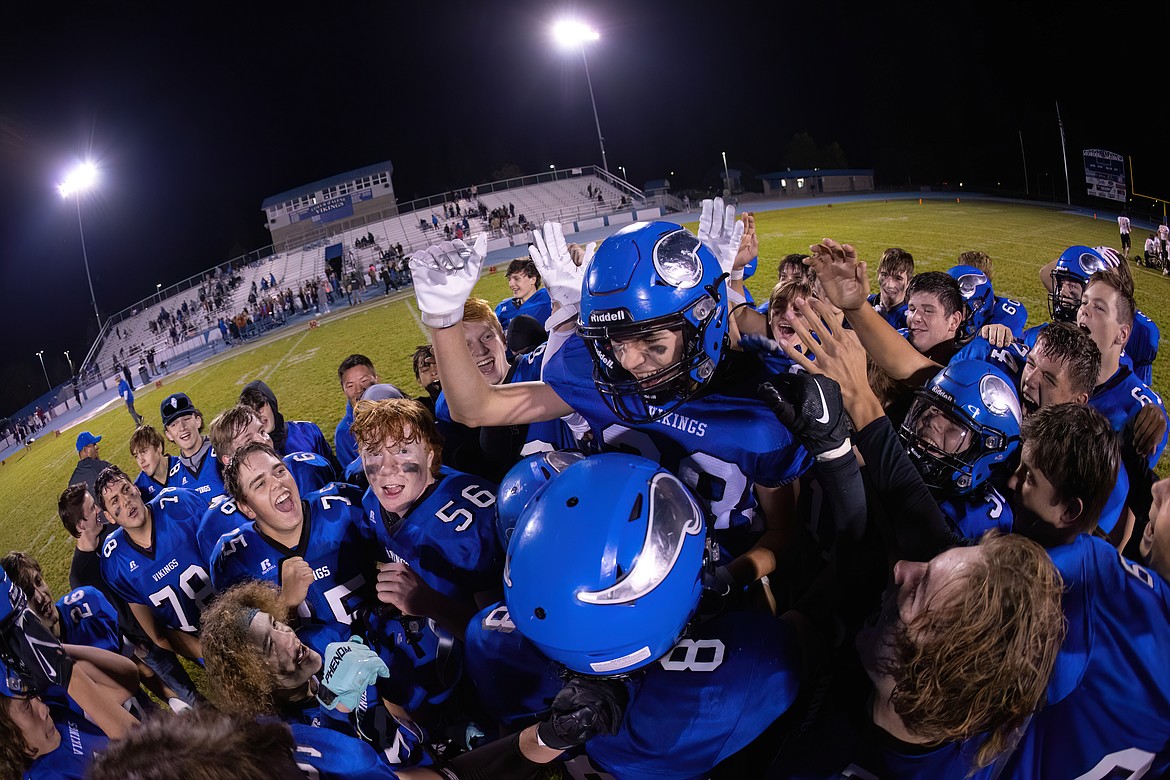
{"x": 301, "y": 365}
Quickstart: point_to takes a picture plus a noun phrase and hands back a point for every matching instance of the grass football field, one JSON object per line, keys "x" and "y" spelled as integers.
{"x": 301, "y": 364}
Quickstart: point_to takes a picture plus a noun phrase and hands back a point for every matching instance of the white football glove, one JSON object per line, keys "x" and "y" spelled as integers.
{"x": 443, "y": 277}
{"x": 561, "y": 275}
{"x": 722, "y": 233}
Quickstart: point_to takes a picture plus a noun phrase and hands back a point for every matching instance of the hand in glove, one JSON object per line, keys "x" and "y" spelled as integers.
{"x": 34, "y": 658}
{"x": 443, "y": 277}
{"x": 348, "y": 669}
{"x": 811, "y": 407}
{"x": 722, "y": 233}
{"x": 583, "y": 709}
{"x": 560, "y": 274}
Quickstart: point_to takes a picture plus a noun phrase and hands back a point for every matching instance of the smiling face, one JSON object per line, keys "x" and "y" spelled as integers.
{"x": 428, "y": 373}
{"x": 928, "y": 322}
{"x": 184, "y": 433}
{"x": 90, "y": 521}
{"x": 151, "y": 461}
{"x": 648, "y": 354}
{"x": 267, "y": 418}
{"x": 291, "y": 662}
{"x": 399, "y": 472}
{"x": 522, "y": 285}
{"x": 487, "y": 349}
{"x": 124, "y": 505}
{"x": 31, "y": 717}
{"x": 356, "y": 380}
{"x": 270, "y": 497}
{"x": 940, "y": 431}
{"x": 41, "y": 601}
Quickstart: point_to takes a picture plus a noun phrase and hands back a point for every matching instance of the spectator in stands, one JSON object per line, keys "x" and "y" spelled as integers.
{"x": 89, "y": 464}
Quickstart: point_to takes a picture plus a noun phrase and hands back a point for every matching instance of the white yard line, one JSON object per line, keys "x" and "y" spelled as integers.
{"x": 414, "y": 315}
{"x": 291, "y": 350}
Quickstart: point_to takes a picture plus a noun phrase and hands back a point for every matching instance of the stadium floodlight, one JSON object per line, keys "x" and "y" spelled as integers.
{"x": 79, "y": 180}
{"x": 41, "y": 355}
{"x": 570, "y": 34}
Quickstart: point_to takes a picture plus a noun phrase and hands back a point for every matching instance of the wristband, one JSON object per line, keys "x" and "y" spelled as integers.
{"x": 563, "y": 314}
{"x": 736, "y": 274}
{"x": 443, "y": 320}
{"x": 836, "y": 452}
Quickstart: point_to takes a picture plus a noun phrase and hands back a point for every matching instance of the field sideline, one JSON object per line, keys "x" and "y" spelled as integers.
{"x": 300, "y": 366}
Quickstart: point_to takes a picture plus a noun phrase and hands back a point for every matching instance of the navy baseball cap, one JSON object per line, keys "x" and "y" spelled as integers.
{"x": 174, "y": 406}
{"x": 85, "y": 438}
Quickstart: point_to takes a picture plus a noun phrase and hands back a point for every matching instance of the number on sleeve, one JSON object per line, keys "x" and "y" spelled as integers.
{"x": 326, "y": 499}
{"x": 1142, "y": 574}
{"x": 74, "y": 597}
{"x": 1133, "y": 761}
{"x": 1140, "y": 397}
{"x": 694, "y": 655}
{"x": 304, "y": 457}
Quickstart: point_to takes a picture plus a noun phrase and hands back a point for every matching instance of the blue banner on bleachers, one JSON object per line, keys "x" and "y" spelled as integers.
{"x": 331, "y": 210}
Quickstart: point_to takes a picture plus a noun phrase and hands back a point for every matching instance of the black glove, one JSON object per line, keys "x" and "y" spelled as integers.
{"x": 810, "y": 406}
{"x": 584, "y": 708}
{"x": 35, "y": 659}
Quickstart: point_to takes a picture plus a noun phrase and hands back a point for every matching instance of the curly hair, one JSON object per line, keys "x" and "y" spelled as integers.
{"x": 376, "y": 421}
{"x": 15, "y": 758}
{"x": 202, "y": 745}
{"x": 239, "y": 681}
{"x": 978, "y": 665}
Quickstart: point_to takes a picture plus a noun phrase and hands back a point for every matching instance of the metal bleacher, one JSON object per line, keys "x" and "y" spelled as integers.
{"x": 561, "y": 196}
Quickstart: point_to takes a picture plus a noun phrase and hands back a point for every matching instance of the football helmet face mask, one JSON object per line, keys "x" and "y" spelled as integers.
{"x": 1073, "y": 269}
{"x": 977, "y": 292}
{"x": 964, "y": 423}
{"x": 522, "y": 482}
{"x": 649, "y": 277}
{"x": 604, "y": 570}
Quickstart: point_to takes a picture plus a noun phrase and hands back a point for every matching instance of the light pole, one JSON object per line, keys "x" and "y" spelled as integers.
{"x": 41, "y": 355}
{"x": 78, "y": 181}
{"x": 622, "y": 168}
{"x": 726, "y": 175}
{"x": 569, "y": 34}
{"x": 70, "y": 363}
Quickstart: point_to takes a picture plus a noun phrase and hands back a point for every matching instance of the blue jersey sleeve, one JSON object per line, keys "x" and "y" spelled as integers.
{"x": 343, "y": 442}
{"x": 1011, "y": 314}
{"x": 88, "y": 618}
{"x": 331, "y": 755}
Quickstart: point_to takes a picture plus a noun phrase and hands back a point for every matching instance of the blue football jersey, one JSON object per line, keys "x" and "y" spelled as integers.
{"x": 448, "y": 536}
{"x": 343, "y": 441}
{"x": 706, "y": 699}
{"x": 979, "y": 511}
{"x": 88, "y": 618}
{"x": 895, "y": 316}
{"x": 207, "y": 482}
{"x": 306, "y": 436}
{"x": 332, "y": 755}
{"x": 719, "y": 444}
{"x": 1108, "y": 710}
{"x": 149, "y": 486}
{"x": 80, "y": 740}
{"x": 170, "y": 577}
{"x": 1142, "y": 347}
{"x": 538, "y": 306}
{"x": 1010, "y": 359}
{"x": 1012, "y": 314}
{"x": 1120, "y": 399}
{"x": 330, "y": 542}
{"x": 309, "y": 470}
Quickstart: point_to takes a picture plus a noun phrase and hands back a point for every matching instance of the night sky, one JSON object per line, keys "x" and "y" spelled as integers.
{"x": 195, "y": 113}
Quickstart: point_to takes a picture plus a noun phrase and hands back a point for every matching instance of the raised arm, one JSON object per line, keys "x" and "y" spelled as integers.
{"x": 845, "y": 282}
{"x": 443, "y": 277}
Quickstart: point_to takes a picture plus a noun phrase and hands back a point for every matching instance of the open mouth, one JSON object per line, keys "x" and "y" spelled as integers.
{"x": 301, "y": 653}
{"x": 392, "y": 491}
{"x": 1028, "y": 405}
{"x": 487, "y": 366}
{"x": 284, "y": 502}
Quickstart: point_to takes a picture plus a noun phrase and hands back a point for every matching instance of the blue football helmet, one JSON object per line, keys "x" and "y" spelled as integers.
{"x": 977, "y": 292}
{"x": 1073, "y": 269}
{"x": 604, "y": 571}
{"x": 648, "y": 277}
{"x": 521, "y": 483}
{"x": 964, "y": 423}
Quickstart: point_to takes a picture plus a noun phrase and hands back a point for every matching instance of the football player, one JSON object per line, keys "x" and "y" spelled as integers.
{"x": 649, "y": 371}
{"x": 287, "y": 436}
{"x": 198, "y": 469}
{"x": 146, "y": 447}
{"x": 528, "y": 297}
{"x": 1010, "y": 314}
{"x": 153, "y": 560}
{"x": 356, "y": 373}
{"x": 895, "y": 270}
{"x": 699, "y": 691}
